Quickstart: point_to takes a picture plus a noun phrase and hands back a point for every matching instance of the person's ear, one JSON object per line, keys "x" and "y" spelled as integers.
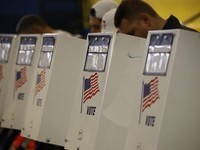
{"x": 145, "y": 19}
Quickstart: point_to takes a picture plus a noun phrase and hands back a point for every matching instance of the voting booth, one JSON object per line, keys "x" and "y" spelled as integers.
{"x": 53, "y": 90}
{"x": 163, "y": 98}
{"x": 169, "y": 106}
{"x": 20, "y": 78}
{"x": 7, "y": 49}
{"x": 103, "y": 50}
{"x": 88, "y": 100}
{"x": 120, "y": 93}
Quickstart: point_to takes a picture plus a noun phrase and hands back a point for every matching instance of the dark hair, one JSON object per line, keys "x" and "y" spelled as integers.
{"x": 29, "y": 20}
{"x": 93, "y": 13}
{"x": 131, "y": 9}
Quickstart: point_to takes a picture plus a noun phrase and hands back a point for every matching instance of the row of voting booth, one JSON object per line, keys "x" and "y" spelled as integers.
{"x": 111, "y": 91}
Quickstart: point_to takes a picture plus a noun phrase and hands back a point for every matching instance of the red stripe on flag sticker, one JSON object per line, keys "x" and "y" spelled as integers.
{"x": 151, "y": 93}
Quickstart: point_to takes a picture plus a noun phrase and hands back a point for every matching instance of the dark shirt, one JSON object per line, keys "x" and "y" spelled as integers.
{"x": 173, "y": 23}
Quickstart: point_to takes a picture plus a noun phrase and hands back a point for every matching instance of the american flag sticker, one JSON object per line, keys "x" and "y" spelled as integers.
{"x": 150, "y": 93}
{"x": 21, "y": 78}
{"x": 1, "y": 72}
{"x": 91, "y": 87}
{"x": 40, "y": 83}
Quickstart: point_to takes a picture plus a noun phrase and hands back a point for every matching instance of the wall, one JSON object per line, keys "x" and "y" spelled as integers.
{"x": 12, "y": 10}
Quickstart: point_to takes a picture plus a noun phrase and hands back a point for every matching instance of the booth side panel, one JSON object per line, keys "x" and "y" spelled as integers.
{"x": 180, "y": 125}
{"x": 60, "y": 97}
{"x": 121, "y": 98}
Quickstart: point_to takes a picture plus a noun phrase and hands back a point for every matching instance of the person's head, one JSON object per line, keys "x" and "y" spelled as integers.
{"x": 107, "y": 23}
{"x": 136, "y": 17}
{"x": 97, "y": 11}
{"x": 32, "y": 24}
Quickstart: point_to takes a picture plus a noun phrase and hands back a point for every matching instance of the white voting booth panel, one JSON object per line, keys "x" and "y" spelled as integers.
{"x": 90, "y": 91}
{"x": 20, "y": 78}
{"x": 119, "y": 100}
{"x": 84, "y": 129}
{"x": 52, "y": 92}
{"x": 7, "y": 50}
{"x": 169, "y": 106}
